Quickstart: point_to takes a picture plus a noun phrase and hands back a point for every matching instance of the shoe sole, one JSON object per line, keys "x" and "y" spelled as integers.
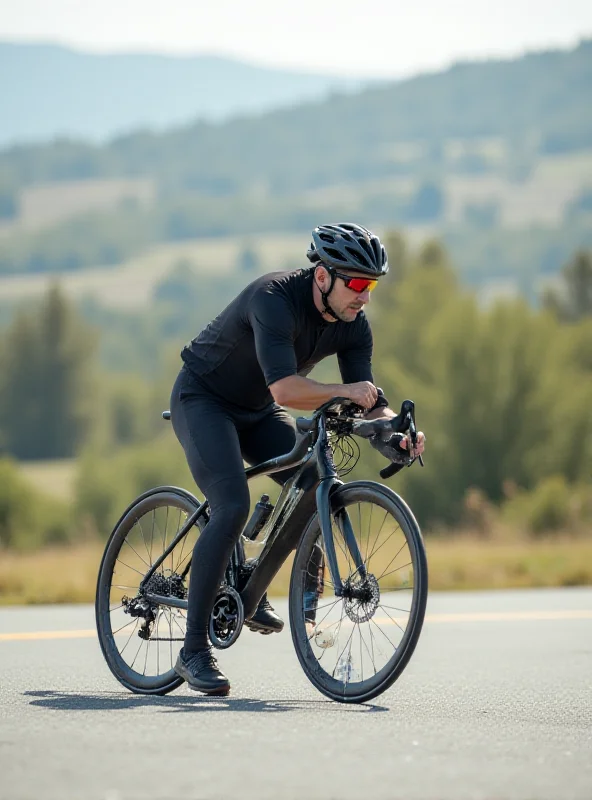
{"x": 257, "y": 627}
{"x": 220, "y": 691}
{"x": 211, "y": 692}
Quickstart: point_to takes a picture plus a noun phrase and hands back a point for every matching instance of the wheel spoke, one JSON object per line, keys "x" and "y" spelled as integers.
{"x": 125, "y": 541}
{"x": 395, "y": 608}
{"x": 139, "y": 520}
{"x": 130, "y": 636}
{"x": 328, "y": 612}
{"x": 184, "y": 539}
{"x": 137, "y": 653}
{"x": 384, "y": 634}
{"x": 394, "y": 558}
{"x": 391, "y": 618}
{"x": 385, "y": 541}
{"x": 170, "y": 634}
{"x": 368, "y": 651}
{"x": 366, "y": 559}
{"x": 125, "y": 626}
{"x": 377, "y": 536}
{"x": 119, "y": 561}
{"x": 146, "y": 658}
{"x": 343, "y": 651}
{"x": 392, "y": 572}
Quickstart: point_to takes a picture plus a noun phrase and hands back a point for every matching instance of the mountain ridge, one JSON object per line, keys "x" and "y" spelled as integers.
{"x": 98, "y": 96}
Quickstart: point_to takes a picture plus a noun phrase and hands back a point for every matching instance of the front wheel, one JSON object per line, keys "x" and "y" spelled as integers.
{"x": 352, "y": 648}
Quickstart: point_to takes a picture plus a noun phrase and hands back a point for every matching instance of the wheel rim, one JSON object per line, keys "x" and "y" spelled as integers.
{"x": 355, "y": 638}
{"x": 146, "y": 639}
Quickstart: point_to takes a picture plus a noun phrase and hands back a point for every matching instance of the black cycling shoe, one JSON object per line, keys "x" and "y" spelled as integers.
{"x": 265, "y": 620}
{"x": 201, "y": 671}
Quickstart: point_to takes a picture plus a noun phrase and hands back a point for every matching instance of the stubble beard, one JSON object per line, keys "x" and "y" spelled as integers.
{"x": 348, "y": 314}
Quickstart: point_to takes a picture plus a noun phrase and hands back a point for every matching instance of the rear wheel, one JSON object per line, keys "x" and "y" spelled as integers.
{"x": 140, "y": 641}
{"x": 352, "y": 648}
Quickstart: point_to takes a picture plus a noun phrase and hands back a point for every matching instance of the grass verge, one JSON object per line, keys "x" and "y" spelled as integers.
{"x": 68, "y": 574}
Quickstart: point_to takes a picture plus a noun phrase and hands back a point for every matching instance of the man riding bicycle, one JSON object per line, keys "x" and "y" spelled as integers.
{"x": 227, "y": 402}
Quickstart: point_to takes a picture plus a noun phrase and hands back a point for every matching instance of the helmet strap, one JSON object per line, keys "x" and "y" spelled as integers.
{"x": 325, "y": 295}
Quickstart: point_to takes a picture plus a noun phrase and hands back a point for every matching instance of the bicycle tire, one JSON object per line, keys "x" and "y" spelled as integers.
{"x": 365, "y": 690}
{"x": 163, "y": 497}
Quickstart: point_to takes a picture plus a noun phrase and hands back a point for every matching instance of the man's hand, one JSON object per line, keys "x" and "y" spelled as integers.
{"x": 363, "y": 393}
{"x": 419, "y": 445}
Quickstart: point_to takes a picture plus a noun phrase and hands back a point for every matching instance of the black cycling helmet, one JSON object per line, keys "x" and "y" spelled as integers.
{"x": 348, "y": 246}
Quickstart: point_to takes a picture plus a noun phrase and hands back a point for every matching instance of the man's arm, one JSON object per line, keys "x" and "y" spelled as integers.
{"x": 381, "y": 413}
{"x": 355, "y": 364}
{"x": 296, "y": 391}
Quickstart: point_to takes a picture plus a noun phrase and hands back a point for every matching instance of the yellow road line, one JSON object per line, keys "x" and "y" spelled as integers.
{"x": 11, "y": 637}
{"x": 483, "y": 616}
{"x": 502, "y": 616}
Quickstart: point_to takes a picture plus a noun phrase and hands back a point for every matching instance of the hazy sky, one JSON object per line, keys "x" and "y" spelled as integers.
{"x": 368, "y": 37}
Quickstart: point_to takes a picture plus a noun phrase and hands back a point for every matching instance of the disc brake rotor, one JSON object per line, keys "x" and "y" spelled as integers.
{"x": 361, "y": 599}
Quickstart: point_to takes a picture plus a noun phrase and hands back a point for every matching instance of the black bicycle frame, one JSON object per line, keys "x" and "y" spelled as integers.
{"x": 308, "y": 489}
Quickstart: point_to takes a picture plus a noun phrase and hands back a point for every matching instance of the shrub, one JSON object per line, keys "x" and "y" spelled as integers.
{"x": 553, "y": 505}
{"x": 28, "y": 518}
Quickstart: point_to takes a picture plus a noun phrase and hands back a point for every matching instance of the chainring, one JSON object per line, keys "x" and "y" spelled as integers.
{"x": 227, "y": 618}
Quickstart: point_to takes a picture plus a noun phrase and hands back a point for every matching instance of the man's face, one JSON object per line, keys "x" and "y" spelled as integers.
{"x": 346, "y": 303}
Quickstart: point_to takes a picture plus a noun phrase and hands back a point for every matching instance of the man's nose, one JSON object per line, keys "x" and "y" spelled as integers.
{"x": 365, "y": 297}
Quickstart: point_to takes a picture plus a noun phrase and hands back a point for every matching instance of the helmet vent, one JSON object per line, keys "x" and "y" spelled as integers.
{"x": 356, "y": 256}
{"x": 335, "y": 254}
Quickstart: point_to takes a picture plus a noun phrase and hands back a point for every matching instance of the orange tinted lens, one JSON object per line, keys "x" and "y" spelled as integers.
{"x": 361, "y": 284}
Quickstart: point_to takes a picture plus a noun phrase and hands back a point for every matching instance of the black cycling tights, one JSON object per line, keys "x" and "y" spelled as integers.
{"x": 216, "y": 437}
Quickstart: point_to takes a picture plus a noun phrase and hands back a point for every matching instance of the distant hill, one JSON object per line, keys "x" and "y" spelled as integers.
{"x": 490, "y": 147}
{"x": 50, "y": 91}
{"x": 539, "y": 103}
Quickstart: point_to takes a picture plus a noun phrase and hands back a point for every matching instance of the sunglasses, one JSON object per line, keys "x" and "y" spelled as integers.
{"x": 357, "y": 285}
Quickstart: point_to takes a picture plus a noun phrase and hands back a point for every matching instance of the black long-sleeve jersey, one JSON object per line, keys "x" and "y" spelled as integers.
{"x": 271, "y": 330}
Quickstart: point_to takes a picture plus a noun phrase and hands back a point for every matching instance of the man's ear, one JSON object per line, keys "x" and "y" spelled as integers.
{"x": 322, "y": 277}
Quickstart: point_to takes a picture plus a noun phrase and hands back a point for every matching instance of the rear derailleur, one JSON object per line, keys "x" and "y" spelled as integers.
{"x": 165, "y": 585}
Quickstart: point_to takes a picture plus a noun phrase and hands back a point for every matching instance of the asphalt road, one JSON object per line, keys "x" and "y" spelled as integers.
{"x": 496, "y": 703}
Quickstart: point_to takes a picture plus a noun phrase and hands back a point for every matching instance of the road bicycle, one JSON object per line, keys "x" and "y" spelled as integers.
{"x": 358, "y": 585}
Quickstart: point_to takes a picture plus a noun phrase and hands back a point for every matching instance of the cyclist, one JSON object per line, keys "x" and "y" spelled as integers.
{"x": 226, "y": 404}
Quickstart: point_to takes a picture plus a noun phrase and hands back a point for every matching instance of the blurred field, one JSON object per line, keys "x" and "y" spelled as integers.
{"x": 131, "y": 284}
{"x": 541, "y": 197}
{"x": 68, "y": 575}
{"x": 55, "y": 477}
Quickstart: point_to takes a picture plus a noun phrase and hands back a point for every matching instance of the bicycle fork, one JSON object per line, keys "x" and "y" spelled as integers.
{"x": 324, "y": 491}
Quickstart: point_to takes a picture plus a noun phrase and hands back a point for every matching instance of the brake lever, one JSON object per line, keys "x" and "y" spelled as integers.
{"x": 413, "y": 436}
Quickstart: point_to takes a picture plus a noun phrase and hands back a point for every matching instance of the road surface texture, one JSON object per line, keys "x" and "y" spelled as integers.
{"x": 496, "y": 703}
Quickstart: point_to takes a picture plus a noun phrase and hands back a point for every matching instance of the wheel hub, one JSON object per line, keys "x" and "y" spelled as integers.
{"x": 361, "y": 598}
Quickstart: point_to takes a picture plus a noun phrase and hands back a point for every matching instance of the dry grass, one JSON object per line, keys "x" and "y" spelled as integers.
{"x": 52, "y": 575}
{"x": 68, "y": 575}
{"x": 468, "y": 563}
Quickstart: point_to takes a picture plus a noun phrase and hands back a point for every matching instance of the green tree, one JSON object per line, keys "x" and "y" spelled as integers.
{"x": 46, "y": 404}
{"x": 480, "y": 380}
{"x": 573, "y": 301}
